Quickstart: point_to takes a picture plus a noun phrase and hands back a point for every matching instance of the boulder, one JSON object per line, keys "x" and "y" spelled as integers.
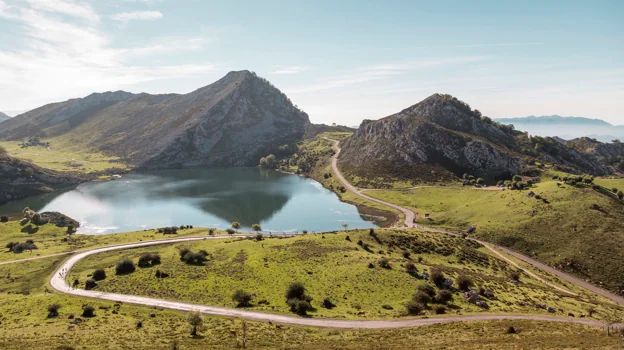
{"x": 472, "y": 296}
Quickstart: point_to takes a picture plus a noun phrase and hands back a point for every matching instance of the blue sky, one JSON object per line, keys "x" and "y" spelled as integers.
{"x": 340, "y": 61}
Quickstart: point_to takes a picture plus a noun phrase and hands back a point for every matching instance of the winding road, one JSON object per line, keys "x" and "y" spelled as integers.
{"x": 409, "y": 222}
{"x": 59, "y": 283}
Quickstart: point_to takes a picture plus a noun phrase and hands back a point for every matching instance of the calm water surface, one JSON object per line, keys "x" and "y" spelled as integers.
{"x": 200, "y": 197}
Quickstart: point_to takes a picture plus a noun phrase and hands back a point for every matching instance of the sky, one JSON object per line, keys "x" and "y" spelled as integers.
{"x": 341, "y": 61}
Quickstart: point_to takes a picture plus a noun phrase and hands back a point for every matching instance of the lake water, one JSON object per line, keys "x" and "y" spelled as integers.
{"x": 200, "y": 197}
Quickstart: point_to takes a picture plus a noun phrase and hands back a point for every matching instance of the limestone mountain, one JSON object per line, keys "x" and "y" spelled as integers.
{"x": 4, "y": 117}
{"x": 232, "y": 122}
{"x": 442, "y": 137}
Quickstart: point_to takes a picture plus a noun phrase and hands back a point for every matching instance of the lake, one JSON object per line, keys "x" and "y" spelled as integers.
{"x": 200, "y": 197}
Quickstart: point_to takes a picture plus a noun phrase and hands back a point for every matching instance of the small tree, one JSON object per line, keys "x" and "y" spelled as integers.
{"x": 99, "y": 275}
{"x": 437, "y": 277}
{"x": 90, "y": 284}
{"x": 125, "y": 266}
{"x": 480, "y": 181}
{"x": 53, "y": 310}
{"x": 242, "y": 298}
{"x": 256, "y": 227}
{"x": 413, "y": 308}
{"x": 236, "y": 225}
{"x": 195, "y": 319}
{"x": 516, "y": 178}
{"x": 88, "y": 311}
{"x": 426, "y": 288}
{"x": 295, "y": 290}
{"x": 422, "y": 298}
{"x": 464, "y": 282}
{"x": 444, "y": 296}
{"x": 385, "y": 263}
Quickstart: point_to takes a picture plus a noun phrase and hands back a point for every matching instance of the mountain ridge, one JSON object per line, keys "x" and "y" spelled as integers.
{"x": 230, "y": 122}
{"x": 4, "y": 117}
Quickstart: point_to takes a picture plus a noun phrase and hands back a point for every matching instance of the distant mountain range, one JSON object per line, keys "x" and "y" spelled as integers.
{"x": 232, "y": 122}
{"x": 4, "y": 117}
{"x": 567, "y": 127}
{"x": 442, "y": 137}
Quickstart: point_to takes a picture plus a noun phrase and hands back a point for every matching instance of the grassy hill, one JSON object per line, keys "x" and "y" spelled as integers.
{"x": 350, "y": 274}
{"x": 574, "y": 229}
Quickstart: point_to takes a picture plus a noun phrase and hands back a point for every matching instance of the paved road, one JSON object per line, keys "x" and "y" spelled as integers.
{"x": 409, "y": 222}
{"x": 58, "y": 282}
{"x": 34, "y": 258}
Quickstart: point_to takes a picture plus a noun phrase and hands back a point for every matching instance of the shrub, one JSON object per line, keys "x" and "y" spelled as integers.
{"x": 422, "y": 298}
{"x": 242, "y": 298}
{"x": 384, "y": 262}
{"x": 192, "y": 258}
{"x": 437, "y": 277}
{"x": 211, "y": 231}
{"x": 413, "y": 308}
{"x": 230, "y": 231}
{"x": 20, "y": 247}
{"x": 371, "y": 265}
{"x": 443, "y": 296}
{"x": 514, "y": 276}
{"x": 99, "y": 275}
{"x": 480, "y": 181}
{"x": 90, "y": 284}
{"x": 144, "y": 261}
{"x": 439, "y": 309}
{"x": 4, "y": 218}
{"x": 300, "y": 307}
{"x": 124, "y": 267}
{"x": 426, "y": 288}
{"x": 88, "y": 311}
{"x": 182, "y": 251}
{"x": 464, "y": 282}
{"x": 10, "y": 245}
{"x": 259, "y": 237}
{"x": 620, "y": 195}
{"x": 411, "y": 269}
{"x": 406, "y": 254}
{"x": 53, "y": 310}
{"x": 296, "y": 290}
{"x": 327, "y": 303}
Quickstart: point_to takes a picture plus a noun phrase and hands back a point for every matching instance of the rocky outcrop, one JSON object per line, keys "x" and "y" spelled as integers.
{"x": 20, "y": 179}
{"x": 442, "y": 134}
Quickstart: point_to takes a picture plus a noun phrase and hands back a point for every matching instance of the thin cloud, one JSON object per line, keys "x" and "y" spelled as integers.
{"x": 65, "y": 7}
{"x": 137, "y": 15}
{"x": 292, "y": 70}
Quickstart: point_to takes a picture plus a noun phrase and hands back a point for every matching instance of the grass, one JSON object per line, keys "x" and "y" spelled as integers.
{"x": 575, "y": 229}
{"x": 330, "y": 267}
{"x": 64, "y": 155}
{"x": 24, "y": 322}
{"x": 50, "y": 239}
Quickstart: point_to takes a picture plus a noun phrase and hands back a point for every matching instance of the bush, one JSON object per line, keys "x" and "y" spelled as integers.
{"x": 4, "y": 218}
{"x": 259, "y": 237}
{"x": 242, "y": 298}
{"x": 124, "y": 267}
{"x": 144, "y": 261}
{"x": 211, "y": 231}
{"x": 406, "y": 254}
{"x": 439, "y": 309}
{"x": 230, "y": 231}
{"x": 296, "y": 290}
{"x": 464, "y": 282}
{"x": 300, "y": 307}
{"x": 444, "y": 296}
{"x": 192, "y": 258}
{"x": 53, "y": 310}
{"x": 88, "y": 311}
{"x": 426, "y": 288}
{"x": 182, "y": 251}
{"x": 422, "y": 298}
{"x": 385, "y": 263}
{"x": 437, "y": 277}
{"x": 413, "y": 308}
{"x": 90, "y": 284}
{"x": 20, "y": 247}
{"x": 327, "y": 303}
{"x": 514, "y": 276}
{"x": 99, "y": 275}
{"x": 620, "y": 195}
{"x": 149, "y": 259}
{"x": 411, "y": 269}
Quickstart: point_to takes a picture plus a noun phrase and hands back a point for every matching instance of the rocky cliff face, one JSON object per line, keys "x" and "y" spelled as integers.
{"x": 231, "y": 122}
{"x": 442, "y": 135}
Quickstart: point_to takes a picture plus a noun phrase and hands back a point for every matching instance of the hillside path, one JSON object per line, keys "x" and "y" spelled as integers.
{"x": 409, "y": 222}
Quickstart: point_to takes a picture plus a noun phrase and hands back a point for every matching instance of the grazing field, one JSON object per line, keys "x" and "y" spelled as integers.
{"x": 64, "y": 155}
{"x": 50, "y": 239}
{"x": 578, "y": 230}
{"x": 25, "y": 323}
{"x": 367, "y": 280}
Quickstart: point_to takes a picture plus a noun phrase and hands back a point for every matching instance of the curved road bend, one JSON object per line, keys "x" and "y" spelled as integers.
{"x": 409, "y": 222}
{"x": 57, "y": 282}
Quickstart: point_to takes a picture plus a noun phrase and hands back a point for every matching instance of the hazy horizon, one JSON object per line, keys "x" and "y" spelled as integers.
{"x": 340, "y": 62}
